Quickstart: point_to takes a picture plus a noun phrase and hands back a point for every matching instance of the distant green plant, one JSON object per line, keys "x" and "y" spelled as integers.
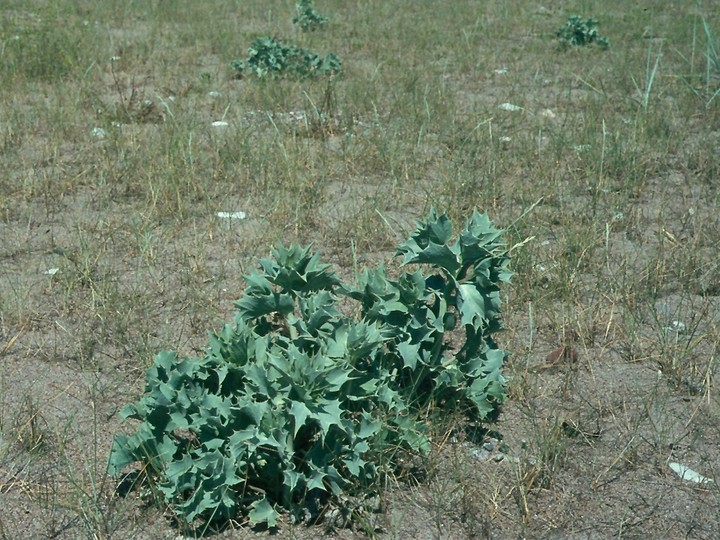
{"x": 296, "y": 402}
{"x": 268, "y": 57}
{"x": 579, "y": 31}
{"x": 306, "y": 17}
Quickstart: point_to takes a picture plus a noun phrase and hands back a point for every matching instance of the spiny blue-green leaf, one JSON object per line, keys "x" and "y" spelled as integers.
{"x": 216, "y": 405}
{"x": 435, "y": 228}
{"x": 251, "y": 413}
{"x": 387, "y": 307}
{"x": 235, "y": 344}
{"x": 368, "y": 427}
{"x": 136, "y": 411}
{"x": 257, "y": 376}
{"x": 411, "y": 288}
{"x": 390, "y": 397}
{"x": 479, "y": 239}
{"x": 252, "y": 306}
{"x": 335, "y": 480}
{"x": 450, "y": 376}
{"x": 442, "y": 256}
{"x": 494, "y": 359}
{"x": 413, "y": 434}
{"x": 178, "y": 420}
{"x": 121, "y": 455}
{"x": 436, "y": 314}
{"x": 300, "y": 412}
{"x": 409, "y": 353}
{"x": 163, "y": 364}
{"x": 292, "y": 479}
{"x": 336, "y": 343}
{"x": 295, "y": 269}
{"x": 315, "y": 481}
{"x": 479, "y": 398}
{"x": 363, "y": 339}
{"x": 330, "y": 414}
{"x": 261, "y": 511}
{"x": 372, "y": 284}
{"x": 354, "y": 465}
{"x": 177, "y": 473}
{"x": 370, "y": 387}
{"x": 161, "y": 451}
{"x": 336, "y": 377}
{"x": 257, "y": 284}
{"x": 319, "y": 310}
{"x": 429, "y": 244}
{"x": 472, "y": 305}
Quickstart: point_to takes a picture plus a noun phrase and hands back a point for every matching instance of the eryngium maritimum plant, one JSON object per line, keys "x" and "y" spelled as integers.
{"x": 306, "y": 17}
{"x": 579, "y": 31}
{"x": 270, "y": 58}
{"x": 295, "y": 401}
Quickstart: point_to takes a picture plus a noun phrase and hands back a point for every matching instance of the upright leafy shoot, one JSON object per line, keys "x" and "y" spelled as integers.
{"x": 306, "y": 17}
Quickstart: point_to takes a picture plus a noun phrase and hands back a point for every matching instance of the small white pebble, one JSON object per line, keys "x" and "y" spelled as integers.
{"x": 213, "y": 94}
{"x": 505, "y": 139}
{"x": 99, "y": 133}
{"x": 220, "y": 123}
{"x": 232, "y": 215}
{"x": 686, "y": 473}
{"x": 509, "y": 107}
{"x": 51, "y": 271}
{"x": 678, "y": 326}
{"x": 500, "y": 71}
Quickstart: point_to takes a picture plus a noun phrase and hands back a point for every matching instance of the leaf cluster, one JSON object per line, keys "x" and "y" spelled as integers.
{"x": 579, "y": 31}
{"x": 306, "y": 17}
{"x": 270, "y": 58}
{"x": 295, "y": 401}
